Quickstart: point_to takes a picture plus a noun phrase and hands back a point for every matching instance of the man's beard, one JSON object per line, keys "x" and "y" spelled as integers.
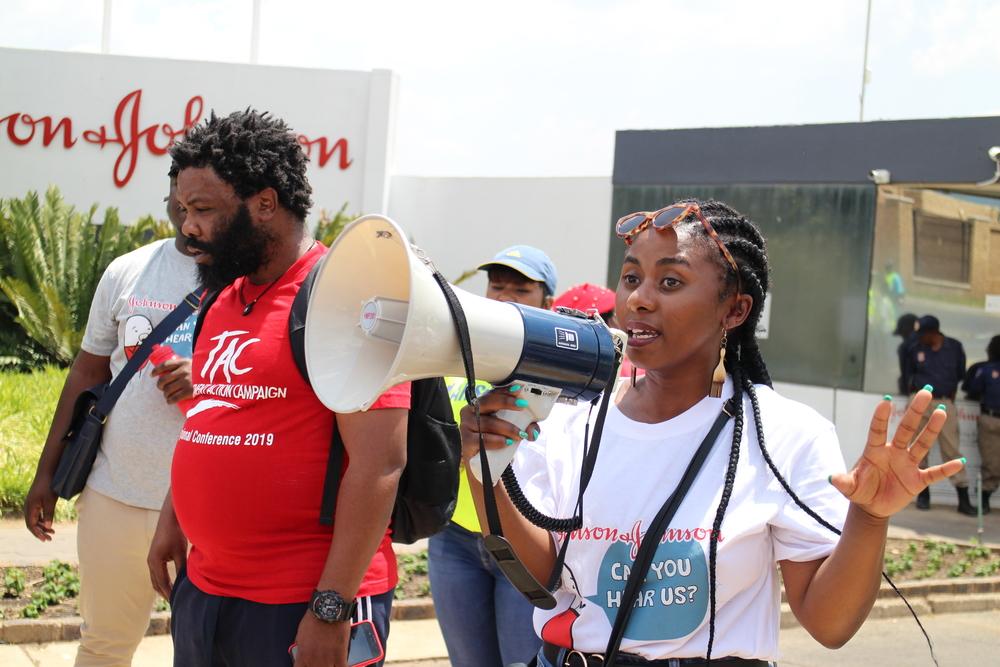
{"x": 238, "y": 249}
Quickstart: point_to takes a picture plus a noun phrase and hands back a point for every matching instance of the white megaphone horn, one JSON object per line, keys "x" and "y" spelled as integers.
{"x": 377, "y": 317}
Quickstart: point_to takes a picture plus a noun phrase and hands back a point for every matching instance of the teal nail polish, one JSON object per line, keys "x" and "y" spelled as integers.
{"x": 524, "y": 436}
{"x": 534, "y": 434}
{"x": 928, "y": 387}
{"x": 514, "y": 388}
{"x": 887, "y": 397}
{"x": 509, "y": 442}
{"x": 829, "y": 479}
{"x": 521, "y": 403}
{"x": 941, "y": 406}
{"x": 962, "y": 460}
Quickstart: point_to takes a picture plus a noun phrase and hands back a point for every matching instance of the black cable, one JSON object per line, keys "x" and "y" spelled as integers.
{"x": 529, "y": 512}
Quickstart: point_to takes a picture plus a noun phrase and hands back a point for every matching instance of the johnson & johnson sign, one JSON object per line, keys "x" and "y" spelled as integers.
{"x": 128, "y": 133}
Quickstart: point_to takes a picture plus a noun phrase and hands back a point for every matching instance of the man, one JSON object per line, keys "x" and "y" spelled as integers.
{"x": 119, "y": 507}
{"x": 248, "y": 470}
{"x": 982, "y": 383}
{"x": 937, "y": 361}
{"x": 484, "y": 619}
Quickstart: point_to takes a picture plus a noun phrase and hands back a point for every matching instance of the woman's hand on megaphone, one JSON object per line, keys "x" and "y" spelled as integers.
{"x": 497, "y": 433}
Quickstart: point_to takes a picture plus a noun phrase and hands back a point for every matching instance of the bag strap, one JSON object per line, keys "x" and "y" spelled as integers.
{"x": 180, "y": 313}
{"x": 297, "y": 321}
{"x": 647, "y": 548}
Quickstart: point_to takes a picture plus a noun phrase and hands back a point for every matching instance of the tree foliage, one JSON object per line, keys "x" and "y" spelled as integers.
{"x": 51, "y": 259}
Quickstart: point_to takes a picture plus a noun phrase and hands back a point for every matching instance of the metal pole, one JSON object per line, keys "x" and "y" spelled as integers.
{"x": 864, "y": 67}
{"x": 255, "y": 33}
{"x": 979, "y": 504}
{"x": 106, "y": 28}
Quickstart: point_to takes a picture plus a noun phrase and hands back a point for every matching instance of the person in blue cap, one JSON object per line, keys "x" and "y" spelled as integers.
{"x": 521, "y": 274}
{"x": 484, "y": 619}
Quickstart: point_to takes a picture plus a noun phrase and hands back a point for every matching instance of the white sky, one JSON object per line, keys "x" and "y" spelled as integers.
{"x": 538, "y": 87}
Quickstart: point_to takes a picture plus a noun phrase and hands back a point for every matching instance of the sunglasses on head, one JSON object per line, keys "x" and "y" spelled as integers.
{"x": 628, "y": 226}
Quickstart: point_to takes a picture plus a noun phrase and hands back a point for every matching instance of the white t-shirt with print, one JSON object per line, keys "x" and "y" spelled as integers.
{"x": 638, "y": 466}
{"x": 137, "y": 291}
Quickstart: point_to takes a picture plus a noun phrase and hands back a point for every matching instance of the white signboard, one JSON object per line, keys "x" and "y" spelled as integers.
{"x": 99, "y": 127}
{"x": 993, "y": 303}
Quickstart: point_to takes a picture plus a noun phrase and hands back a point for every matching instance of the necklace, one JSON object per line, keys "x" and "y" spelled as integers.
{"x": 248, "y": 307}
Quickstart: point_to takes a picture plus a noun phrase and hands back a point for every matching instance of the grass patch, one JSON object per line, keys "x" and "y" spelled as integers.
{"x": 27, "y": 401}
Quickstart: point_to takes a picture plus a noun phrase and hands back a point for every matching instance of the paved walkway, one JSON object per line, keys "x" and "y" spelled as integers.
{"x": 409, "y": 641}
{"x": 960, "y": 640}
{"x": 19, "y": 547}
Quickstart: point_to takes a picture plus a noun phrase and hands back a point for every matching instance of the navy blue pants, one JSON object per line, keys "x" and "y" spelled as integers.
{"x": 215, "y": 631}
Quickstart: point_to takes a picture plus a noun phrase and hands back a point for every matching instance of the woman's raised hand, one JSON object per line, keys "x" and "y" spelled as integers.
{"x": 497, "y": 433}
{"x": 887, "y": 476}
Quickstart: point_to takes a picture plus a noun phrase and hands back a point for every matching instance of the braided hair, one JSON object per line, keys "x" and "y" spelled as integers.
{"x": 743, "y": 358}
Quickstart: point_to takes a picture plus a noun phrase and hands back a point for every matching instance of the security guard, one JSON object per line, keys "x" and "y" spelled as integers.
{"x": 938, "y": 362}
{"x": 982, "y": 383}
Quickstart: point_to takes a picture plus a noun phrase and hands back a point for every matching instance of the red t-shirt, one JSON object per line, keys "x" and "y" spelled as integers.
{"x": 248, "y": 471}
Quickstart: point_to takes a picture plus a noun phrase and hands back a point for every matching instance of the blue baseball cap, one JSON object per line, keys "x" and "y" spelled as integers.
{"x": 530, "y": 262}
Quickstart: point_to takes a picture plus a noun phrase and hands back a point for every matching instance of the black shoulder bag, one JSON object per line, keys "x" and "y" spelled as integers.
{"x": 93, "y": 405}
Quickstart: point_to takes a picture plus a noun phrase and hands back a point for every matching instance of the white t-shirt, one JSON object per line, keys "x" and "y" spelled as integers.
{"x": 137, "y": 291}
{"x": 638, "y": 466}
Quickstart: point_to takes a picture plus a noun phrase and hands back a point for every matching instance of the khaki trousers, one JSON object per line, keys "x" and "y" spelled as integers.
{"x": 947, "y": 438}
{"x": 989, "y": 451}
{"x": 116, "y": 596}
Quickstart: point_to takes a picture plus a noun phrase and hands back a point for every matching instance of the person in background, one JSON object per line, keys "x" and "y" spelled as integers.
{"x": 982, "y": 384}
{"x": 587, "y": 297}
{"x": 484, "y": 619}
{"x": 906, "y": 327}
{"x": 120, "y": 505}
{"x": 937, "y": 363}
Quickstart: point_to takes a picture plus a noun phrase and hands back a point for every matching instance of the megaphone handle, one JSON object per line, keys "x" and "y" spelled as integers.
{"x": 539, "y": 406}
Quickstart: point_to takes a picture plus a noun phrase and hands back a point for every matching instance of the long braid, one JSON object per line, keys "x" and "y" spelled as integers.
{"x": 720, "y": 512}
{"x": 743, "y": 358}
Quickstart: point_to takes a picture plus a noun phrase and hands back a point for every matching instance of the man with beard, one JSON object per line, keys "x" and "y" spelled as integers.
{"x": 247, "y": 478}
{"x": 119, "y": 507}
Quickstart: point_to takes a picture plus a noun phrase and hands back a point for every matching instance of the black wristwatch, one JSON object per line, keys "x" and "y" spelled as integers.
{"x": 330, "y": 606}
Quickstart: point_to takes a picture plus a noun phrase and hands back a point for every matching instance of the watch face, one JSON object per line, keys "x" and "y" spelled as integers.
{"x": 329, "y": 606}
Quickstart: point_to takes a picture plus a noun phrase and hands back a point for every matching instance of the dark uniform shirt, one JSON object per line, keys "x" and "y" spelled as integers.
{"x": 984, "y": 384}
{"x": 942, "y": 369}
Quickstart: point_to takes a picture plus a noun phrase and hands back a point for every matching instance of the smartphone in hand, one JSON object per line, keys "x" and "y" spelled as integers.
{"x": 365, "y": 647}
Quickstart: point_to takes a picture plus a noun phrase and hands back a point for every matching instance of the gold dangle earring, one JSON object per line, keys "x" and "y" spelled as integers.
{"x": 719, "y": 375}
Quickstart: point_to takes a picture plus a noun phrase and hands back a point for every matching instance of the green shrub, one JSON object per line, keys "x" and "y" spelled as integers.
{"x": 51, "y": 258}
{"x": 328, "y": 227}
{"x": 27, "y": 401}
{"x": 14, "y": 583}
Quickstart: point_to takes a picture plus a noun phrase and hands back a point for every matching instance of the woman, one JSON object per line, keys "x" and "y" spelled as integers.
{"x": 691, "y": 290}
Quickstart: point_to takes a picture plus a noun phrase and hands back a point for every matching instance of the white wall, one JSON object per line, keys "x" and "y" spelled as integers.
{"x": 461, "y": 222}
{"x": 91, "y": 90}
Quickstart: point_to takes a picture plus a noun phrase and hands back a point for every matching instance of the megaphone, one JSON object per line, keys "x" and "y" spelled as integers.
{"x": 377, "y": 317}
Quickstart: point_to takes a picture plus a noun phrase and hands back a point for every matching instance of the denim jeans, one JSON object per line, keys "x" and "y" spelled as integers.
{"x": 484, "y": 620}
